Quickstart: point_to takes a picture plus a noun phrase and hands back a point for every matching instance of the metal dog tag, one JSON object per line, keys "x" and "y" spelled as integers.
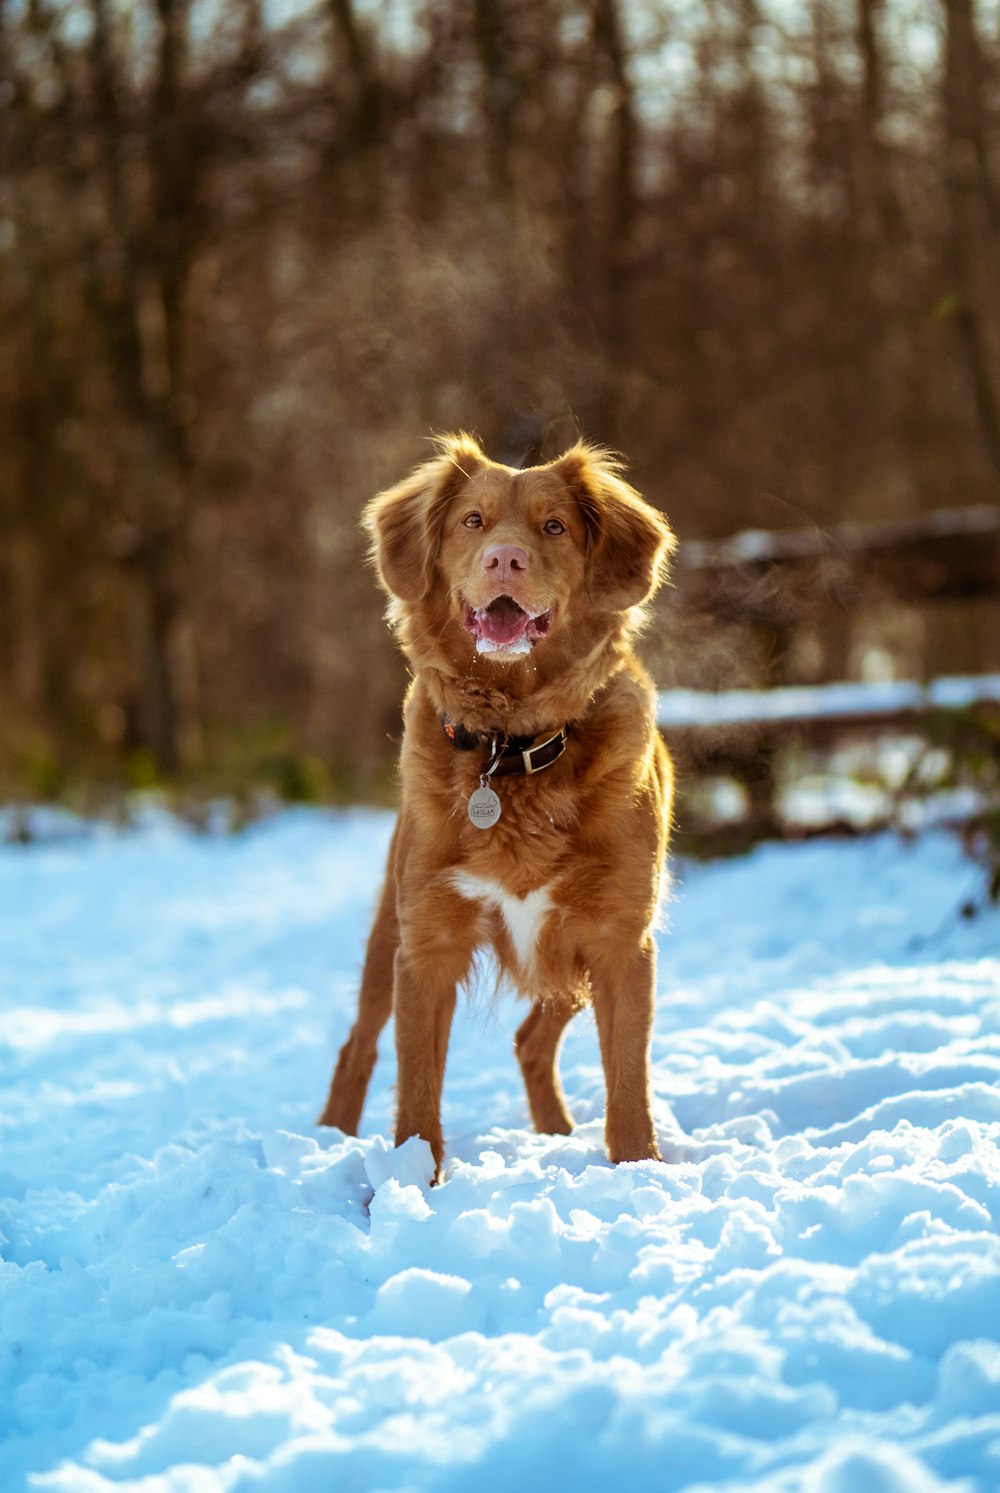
{"x": 484, "y": 808}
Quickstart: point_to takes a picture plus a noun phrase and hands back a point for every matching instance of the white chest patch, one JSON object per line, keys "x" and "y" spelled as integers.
{"x": 524, "y": 916}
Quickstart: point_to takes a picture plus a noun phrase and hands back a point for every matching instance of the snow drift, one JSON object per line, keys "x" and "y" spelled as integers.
{"x": 200, "y": 1290}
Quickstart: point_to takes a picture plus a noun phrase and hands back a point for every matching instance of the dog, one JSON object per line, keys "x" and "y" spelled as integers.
{"x": 536, "y": 790}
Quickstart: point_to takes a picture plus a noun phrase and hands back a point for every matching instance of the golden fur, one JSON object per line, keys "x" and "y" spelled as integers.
{"x": 565, "y": 886}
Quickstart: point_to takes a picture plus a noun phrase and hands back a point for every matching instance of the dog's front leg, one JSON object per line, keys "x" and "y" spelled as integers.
{"x": 424, "y": 1009}
{"x": 622, "y": 991}
{"x": 433, "y": 959}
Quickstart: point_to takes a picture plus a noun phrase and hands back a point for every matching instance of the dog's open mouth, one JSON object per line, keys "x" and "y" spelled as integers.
{"x": 505, "y": 627}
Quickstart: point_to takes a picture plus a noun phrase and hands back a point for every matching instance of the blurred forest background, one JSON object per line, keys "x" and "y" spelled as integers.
{"x": 252, "y": 252}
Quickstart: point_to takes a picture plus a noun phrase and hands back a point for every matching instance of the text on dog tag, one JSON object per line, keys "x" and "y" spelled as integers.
{"x": 484, "y": 808}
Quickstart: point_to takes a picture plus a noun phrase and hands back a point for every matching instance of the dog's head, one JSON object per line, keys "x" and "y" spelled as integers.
{"x": 492, "y": 561}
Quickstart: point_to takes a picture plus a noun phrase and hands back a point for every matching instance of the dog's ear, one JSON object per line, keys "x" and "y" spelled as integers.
{"x": 628, "y": 541}
{"x": 404, "y": 522}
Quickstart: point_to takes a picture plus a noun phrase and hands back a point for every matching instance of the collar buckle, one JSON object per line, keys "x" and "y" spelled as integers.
{"x": 557, "y": 742}
{"x": 506, "y": 756}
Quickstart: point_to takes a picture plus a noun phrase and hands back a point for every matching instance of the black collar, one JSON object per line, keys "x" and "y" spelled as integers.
{"x": 508, "y": 754}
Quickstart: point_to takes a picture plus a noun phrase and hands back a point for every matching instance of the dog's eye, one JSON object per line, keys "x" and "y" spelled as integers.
{"x": 473, "y": 521}
{"x": 554, "y": 526}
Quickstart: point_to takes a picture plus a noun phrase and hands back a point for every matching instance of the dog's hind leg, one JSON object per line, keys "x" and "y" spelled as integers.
{"x": 537, "y": 1047}
{"x": 357, "y": 1056}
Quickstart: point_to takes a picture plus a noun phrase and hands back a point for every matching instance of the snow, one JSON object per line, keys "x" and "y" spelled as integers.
{"x": 200, "y": 1290}
{"x": 855, "y": 699}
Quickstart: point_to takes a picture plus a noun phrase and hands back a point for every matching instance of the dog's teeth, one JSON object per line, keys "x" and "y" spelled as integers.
{"x": 486, "y": 645}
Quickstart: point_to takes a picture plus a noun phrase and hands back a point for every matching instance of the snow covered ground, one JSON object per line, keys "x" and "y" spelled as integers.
{"x": 199, "y": 1290}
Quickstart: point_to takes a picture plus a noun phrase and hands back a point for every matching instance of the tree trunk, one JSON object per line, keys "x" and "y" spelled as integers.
{"x": 617, "y": 204}
{"x": 499, "y": 95}
{"x": 974, "y": 218}
{"x": 25, "y": 587}
{"x": 363, "y": 141}
{"x": 141, "y": 308}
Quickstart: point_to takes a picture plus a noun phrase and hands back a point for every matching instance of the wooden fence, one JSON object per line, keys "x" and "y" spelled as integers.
{"x": 768, "y": 587}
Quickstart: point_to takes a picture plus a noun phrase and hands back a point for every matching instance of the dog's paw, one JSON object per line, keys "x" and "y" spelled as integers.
{"x": 411, "y": 1165}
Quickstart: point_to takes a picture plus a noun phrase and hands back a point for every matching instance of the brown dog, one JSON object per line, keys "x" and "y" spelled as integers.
{"x": 535, "y": 787}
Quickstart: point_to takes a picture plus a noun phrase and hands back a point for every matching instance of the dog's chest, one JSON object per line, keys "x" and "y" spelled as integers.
{"x": 523, "y": 917}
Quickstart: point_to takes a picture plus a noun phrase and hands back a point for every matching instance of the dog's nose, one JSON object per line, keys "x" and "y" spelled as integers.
{"x": 505, "y": 561}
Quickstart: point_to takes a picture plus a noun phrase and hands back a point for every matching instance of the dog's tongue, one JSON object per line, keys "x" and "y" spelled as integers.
{"x": 503, "y": 622}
